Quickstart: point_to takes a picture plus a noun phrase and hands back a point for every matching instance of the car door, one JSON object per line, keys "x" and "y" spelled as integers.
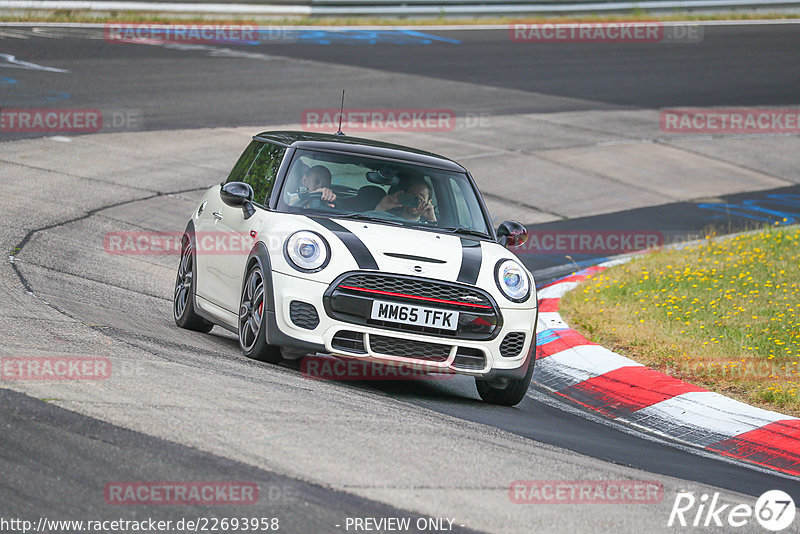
{"x": 208, "y": 230}
{"x": 242, "y": 232}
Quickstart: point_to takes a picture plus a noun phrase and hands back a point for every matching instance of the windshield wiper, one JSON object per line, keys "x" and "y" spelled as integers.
{"x": 466, "y": 231}
{"x": 362, "y": 217}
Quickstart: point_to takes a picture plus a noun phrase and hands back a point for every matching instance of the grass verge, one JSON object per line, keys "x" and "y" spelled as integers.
{"x": 724, "y": 314}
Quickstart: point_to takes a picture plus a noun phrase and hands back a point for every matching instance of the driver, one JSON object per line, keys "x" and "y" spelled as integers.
{"x": 316, "y": 179}
{"x": 410, "y": 199}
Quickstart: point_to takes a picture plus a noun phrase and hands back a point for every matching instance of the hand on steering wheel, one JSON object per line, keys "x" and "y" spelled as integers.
{"x": 317, "y": 199}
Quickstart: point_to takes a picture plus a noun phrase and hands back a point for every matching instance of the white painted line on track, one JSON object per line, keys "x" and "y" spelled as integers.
{"x": 12, "y": 62}
{"x": 576, "y": 364}
{"x": 626, "y": 427}
{"x": 556, "y": 291}
{"x": 708, "y": 416}
{"x": 551, "y": 320}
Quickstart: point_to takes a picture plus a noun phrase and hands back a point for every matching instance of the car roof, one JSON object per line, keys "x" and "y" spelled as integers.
{"x": 357, "y": 145}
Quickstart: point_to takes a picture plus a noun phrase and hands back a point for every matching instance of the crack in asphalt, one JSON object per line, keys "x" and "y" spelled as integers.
{"x": 21, "y": 245}
{"x": 89, "y": 178}
{"x": 95, "y": 280}
{"x": 112, "y": 332}
{"x": 672, "y": 144}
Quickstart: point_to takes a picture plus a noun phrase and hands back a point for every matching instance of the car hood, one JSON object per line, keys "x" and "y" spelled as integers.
{"x": 408, "y": 251}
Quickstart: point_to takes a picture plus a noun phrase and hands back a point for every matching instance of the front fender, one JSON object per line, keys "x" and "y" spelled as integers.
{"x": 259, "y": 255}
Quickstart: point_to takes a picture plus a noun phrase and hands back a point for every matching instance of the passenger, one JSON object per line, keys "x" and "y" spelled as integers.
{"x": 400, "y": 200}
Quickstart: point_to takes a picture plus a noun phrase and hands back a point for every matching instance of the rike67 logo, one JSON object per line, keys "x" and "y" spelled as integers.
{"x": 774, "y": 511}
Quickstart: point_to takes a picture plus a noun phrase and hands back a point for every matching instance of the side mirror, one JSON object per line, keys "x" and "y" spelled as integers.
{"x": 511, "y": 234}
{"x": 238, "y": 194}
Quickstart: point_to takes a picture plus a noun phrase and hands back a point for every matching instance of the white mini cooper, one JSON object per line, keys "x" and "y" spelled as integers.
{"x": 359, "y": 249}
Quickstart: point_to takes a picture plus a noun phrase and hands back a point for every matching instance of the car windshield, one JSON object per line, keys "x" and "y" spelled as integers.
{"x": 387, "y": 191}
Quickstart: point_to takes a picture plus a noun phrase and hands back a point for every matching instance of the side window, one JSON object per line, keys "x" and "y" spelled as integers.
{"x": 263, "y": 171}
{"x": 244, "y": 163}
{"x": 463, "y": 215}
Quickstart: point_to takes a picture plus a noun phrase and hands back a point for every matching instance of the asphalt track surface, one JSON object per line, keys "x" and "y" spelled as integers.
{"x": 41, "y": 439}
{"x": 734, "y": 65}
{"x": 195, "y": 87}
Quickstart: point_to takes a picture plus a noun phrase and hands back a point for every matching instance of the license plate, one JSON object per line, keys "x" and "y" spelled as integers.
{"x": 418, "y": 315}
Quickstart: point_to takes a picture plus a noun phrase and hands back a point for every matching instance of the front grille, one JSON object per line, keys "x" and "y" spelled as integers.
{"x": 469, "y": 358}
{"x": 512, "y": 344}
{"x": 349, "y": 341}
{"x": 406, "y": 348}
{"x": 351, "y": 297}
{"x": 413, "y": 287}
{"x": 303, "y": 314}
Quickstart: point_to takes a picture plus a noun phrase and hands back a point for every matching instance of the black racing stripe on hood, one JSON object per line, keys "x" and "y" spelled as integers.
{"x": 356, "y": 247}
{"x": 471, "y": 257}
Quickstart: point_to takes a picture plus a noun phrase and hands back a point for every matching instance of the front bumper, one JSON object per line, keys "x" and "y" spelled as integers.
{"x": 437, "y": 354}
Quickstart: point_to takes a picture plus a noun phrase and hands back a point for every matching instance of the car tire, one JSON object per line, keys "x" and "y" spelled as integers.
{"x": 512, "y": 392}
{"x": 183, "y": 297}
{"x": 252, "y": 319}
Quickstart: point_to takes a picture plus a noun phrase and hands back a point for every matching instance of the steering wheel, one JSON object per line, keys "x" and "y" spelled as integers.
{"x": 312, "y": 200}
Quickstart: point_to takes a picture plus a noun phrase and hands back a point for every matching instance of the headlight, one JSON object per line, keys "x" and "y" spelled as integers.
{"x": 512, "y": 280}
{"x": 307, "y": 251}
